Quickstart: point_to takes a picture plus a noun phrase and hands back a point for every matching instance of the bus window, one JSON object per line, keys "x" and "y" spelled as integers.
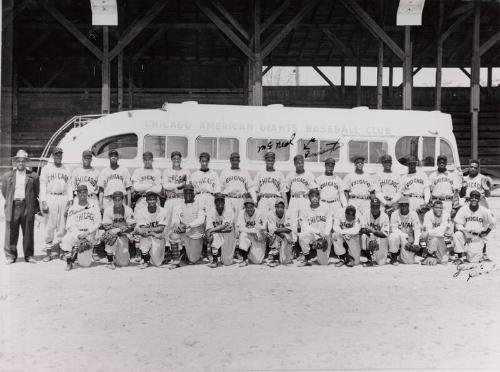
{"x": 177, "y": 143}
{"x": 329, "y": 149}
{"x": 155, "y": 144}
{"x": 308, "y": 149}
{"x": 226, "y": 147}
{"x": 428, "y": 151}
{"x": 406, "y": 146}
{"x": 125, "y": 144}
{"x": 377, "y": 150}
{"x": 445, "y": 149}
{"x": 358, "y": 148}
{"x": 324, "y": 149}
{"x": 257, "y": 148}
{"x": 206, "y": 144}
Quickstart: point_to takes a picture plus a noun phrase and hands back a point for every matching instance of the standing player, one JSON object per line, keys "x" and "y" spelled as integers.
{"x": 117, "y": 221}
{"x": 250, "y": 231}
{"x": 388, "y": 184}
{"x": 315, "y": 228}
{"x": 298, "y": 184}
{"x": 206, "y": 183}
{"x": 437, "y": 226}
{"x": 269, "y": 185}
{"x": 83, "y": 221}
{"x": 86, "y": 175}
{"x": 235, "y": 183}
{"x": 346, "y": 239}
{"x": 331, "y": 187}
{"x": 374, "y": 233}
{"x": 476, "y": 181}
{"x": 473, "y": 223}
{"x": 405, "y": 235}
{"x": 55, "y": 197}
{"x": 111, "y": 179}
{"x": 188, "y": 220}
{"x": 280, "y": 235}
{"x": 444, "y": 185}
{"x": 151, "y": 221}
{"x": 415, "y": 187}
{"x": 145, "y": 179}
{"x": 359, "y": 186}
{"x": 220, "y": 234}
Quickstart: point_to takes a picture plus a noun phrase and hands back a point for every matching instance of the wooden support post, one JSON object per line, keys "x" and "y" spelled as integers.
{"x": 255, "y": 78}
{"x": 7, "y": 49}
{"x": 342, "y": 80}
{"x": 391, "y": 82}
{"x": 439, "y": 59}
{"x": 380, "y": 72}
{"x": 325, "y": 78}
{"x": 15, "y": 96}
{"x": 130, "y": 84}
{"x": 490, "y": 77}
{"x": 407, "y": 71}
{"x": 105, "y": 95}
{"x": 358, "y": 83}
{"x": 120, "y": 81}
{"x": 475, "y": 88}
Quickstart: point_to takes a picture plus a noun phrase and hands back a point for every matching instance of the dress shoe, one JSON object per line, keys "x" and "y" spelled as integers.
{"x": 10, "y": 261}
{"x": 30, "y": 260}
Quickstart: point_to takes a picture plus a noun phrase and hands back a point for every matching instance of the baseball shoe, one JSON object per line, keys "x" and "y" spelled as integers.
{"x": 144, "y": 265}
{"x": 111, "y": 265}
{"x": 458, "y": 261}
{"x": 69, "y": 266}
{"x": 173, "y": 265}
{"x": 349, "y": 262}
{"x": 206, "y": 260}
{"x": 31, "y": 260}
{"x": 301, "y": 258}
{"x": 304, "y": 263}
{"x": 394, "y": 261}
{"x": 212, "y": 264}
{"x": 47, "y": 258}
{"x": 368, "y": 264}
{"x": 339, "y": 263}
{"x": 272, "y": 263}
{"x": 243, "y": 263}
{"x": 485, "y": 258}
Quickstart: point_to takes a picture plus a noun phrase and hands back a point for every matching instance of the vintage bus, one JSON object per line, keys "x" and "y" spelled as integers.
{"x": 317, "y": 133}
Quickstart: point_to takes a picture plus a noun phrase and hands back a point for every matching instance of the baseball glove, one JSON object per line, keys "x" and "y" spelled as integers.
{"x": 84, "y": 245}
{"x": 430, "y": 259}
{"x": 411, "y": 247}
{"x": 109, "y": 238}
{"x": 320, "y": 244}
{"x": 373, "y": 245}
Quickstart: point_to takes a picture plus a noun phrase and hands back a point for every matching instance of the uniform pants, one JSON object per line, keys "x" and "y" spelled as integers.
{"x": 236, "y": 204}
{"x": 296, "y": 204}
{"x": 267, "y": 205}
{"x": 19, "y": 219}
{"x": 155, "y": 247}
{"x": 380, "y": 256}
{"x": 205, "y": 200}
{"x": 55, "y": 219}
{"x": 284, "y": 249}
{"x": 226, "y": 242}
{"x": 473, "y": 250}
{"x": 362, "y": 205}
{"x": 333, "y": 206}
{"x": 192, "y": 247}
{"x": 169, "y": 207}
{"x": 397, "y": 241}
{"x": 306, "y": 238}
{"x": 69, "y": 241}
{"x": 120, "y": 251}
{"x": 354, "y": 245}
{"x": 255, "y": 245}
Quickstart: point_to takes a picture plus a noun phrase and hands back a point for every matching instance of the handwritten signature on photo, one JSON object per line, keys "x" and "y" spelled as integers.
{"x": 329, "y": 147}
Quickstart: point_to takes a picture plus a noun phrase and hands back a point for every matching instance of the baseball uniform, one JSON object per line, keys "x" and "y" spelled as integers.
{"x": 144, "y": 180}
{"x": 347, "y": 232}
{"x": 478, "y": 183}
{"x": 443, "y": 186}
{"x": 234, "y": 184}
{"x": 331, "y": 190}
{"x": 269, "y": 186}
{"x": 56, "y": 192}
{"x": 171, "y": 180}
{"x": 250, "y": 235}
{"x": 114, "y": 220}
{"x": 359, "y": 186}
{"x": 434, "y": 230}
{"x": 388, "y": 186}
{"x": 151, "y": 243}
{"x": 415, "y": 186}
{"x": 382, "y": 224}
{"x": 205, "y": 184}
{"x": 191, "y": 214}
{"x": 315, "y": 223}
{"x": 298, "y": 185}
{"x": 88, "y": 177}
{"x": 225, "y": 241}
{"x": 281, "y": 243}
{"x": 404, "y": 229}
{"x": 111, "y": 180}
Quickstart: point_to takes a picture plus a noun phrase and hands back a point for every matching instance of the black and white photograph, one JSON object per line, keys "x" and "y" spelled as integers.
{"x": 250, "y": 185}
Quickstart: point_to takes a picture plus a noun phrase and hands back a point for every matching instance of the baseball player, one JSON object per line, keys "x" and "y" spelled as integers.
{"x": 118, "y": 221}
{"x": 55, "y": 198}
{"x": 269, "y": 185}
{"x": 331, "y": 187}
{"x": 151, "y": 220}
{"x": 298, "y": 184}
{"x": 188, "y": 220}
{"x": 444, "y": 185}
{"x": 436, "y": 227}
{"x": 279, "y": 235}
{"x": 473, "y": 223}
{"x": 173, "y": 182}
{"x": 476, "y": 181}
{"x": 250, "y": 233}
{"x": 111, "y": 179}
{"x": 359, "y": 186}
{"x": 374, "y": 233}
{"x": 86, "y": 175}
{"x": 235, "y": 183}
{"x": 388, "y": 186}
{"x": 315, "y": 228}
{"x": 220, "y": 234}
{"x": 415, "y": 187}
{"x": 84, "y": 219}
{"x": 405, "y": 233}
{"x": 145, "y": 179}
{"x": 346, "y": 239}
{"x": 206, "y": 183}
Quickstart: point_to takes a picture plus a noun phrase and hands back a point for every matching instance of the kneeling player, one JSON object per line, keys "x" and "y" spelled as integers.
{"x": 437, "y": 226}
{"x": 83, "y": 221}
{"x": 405, "y": 236}
{"x": 346, "y": 239}
{"x": 280, "y": 235}
{"x": 315, "y": 227}
{"x": 220, "y": 235}
{"x": 473, "y": 223}
{"x": 151, "y": 221}
{"x": 250, "y": 231}
{"x": 374, "y": 234}
{"x": 117, "y": 221}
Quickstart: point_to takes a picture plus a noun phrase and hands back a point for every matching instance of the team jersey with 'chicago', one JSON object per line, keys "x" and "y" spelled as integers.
{"x": 111, "y": 180}
{"x": 299, "y": 184}
{"x": 388, "y": 184}
{"x": 145, "y": 218}
{"x": 125, "y": 218}
{"x": 235, "y": 182}
{"x": 172, "y": 178}
{"x": 87, "y": 177}
{"x": 381, "y": 223}
{"x": 444, "y": 184}
{"x": 146, "y": 179}
{"x": 54, "y": 180}
{"x": 205, "y": 182}
{"x": 478, "y": 183}
{"x": 270, "y": 182}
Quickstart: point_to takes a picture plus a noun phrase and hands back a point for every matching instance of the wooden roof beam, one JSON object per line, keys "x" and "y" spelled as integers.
{"x": 338, "y": 43}
{"x": 488, "y": 44}
{"x": 373, "y": 27}
{"x": 454, "y": 26}
{"x": 9, "y": 16}
{"x": 71, "y": 28}
{"x": 136, "y": 28}
{"x": 230, "y": 18}
{"x": 225, "y": 29}
{"x": 149, "y": 44}
{"x": 35, "y": 44}
{"x": 269, "y": 45}
{"x": 325, "y": 78}
{"x": 274, "y": 15}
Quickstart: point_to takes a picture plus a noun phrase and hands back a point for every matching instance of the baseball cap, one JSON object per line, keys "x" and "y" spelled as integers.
{"x": 298, "y": 157}
{"x": 475, "y": 193}
{"x": 219, "y": 196}
{"x": 175, "y": 153}
{"x": 234, "y": 155}
{"x": 117, "y": 194}
{"x": 57, "y": 150}
{"x": 248, "y": 200}
{"x": 385, "y": 158}
{"x": 374, "y": 201}
{"x": 412, "y": 159}
{"x": 279, "y": 201}
{"x": 403, "y": 200}
{"x": 358, "y": 158}
{"x": 442, "y": 157}
{"x": 204, "y": 155}
{"x": 330, "y": 161}
{"x": 269, "y": 154}
{"x": 147, "y": 154}
{"x": 111, "y": 152}
{"x": 188, "y": 187}
{"x": 87, "y": 153}
{"x": 313, "y": 191}
{"x": 350, "y": 209}
{"x": 82, "y": 187}
{"x": 151, "y": 193}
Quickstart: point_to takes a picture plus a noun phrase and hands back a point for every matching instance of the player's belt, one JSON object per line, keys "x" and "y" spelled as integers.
{"x": 330, "y": 201}
{"x": 56, "y": 193}
{"x": 175, "y": 196}
{"x": 442, "y": 197}
{"x": 83, "y": 229}
{"x": 203, "y": 192}
{"x": 269, "y": 196}
{"x": 414, "y": 195}
{"x": 236, "y": 196}
{"x": 18, "y": 201}
{"x": 360, "y": 197}
{"x": 299, "y": 195}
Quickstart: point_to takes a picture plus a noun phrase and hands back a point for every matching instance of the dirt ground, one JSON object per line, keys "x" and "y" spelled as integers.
{"x": 253, "y": 318}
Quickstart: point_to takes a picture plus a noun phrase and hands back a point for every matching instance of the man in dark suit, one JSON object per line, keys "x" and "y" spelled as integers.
{"x": 20, "y": 188}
